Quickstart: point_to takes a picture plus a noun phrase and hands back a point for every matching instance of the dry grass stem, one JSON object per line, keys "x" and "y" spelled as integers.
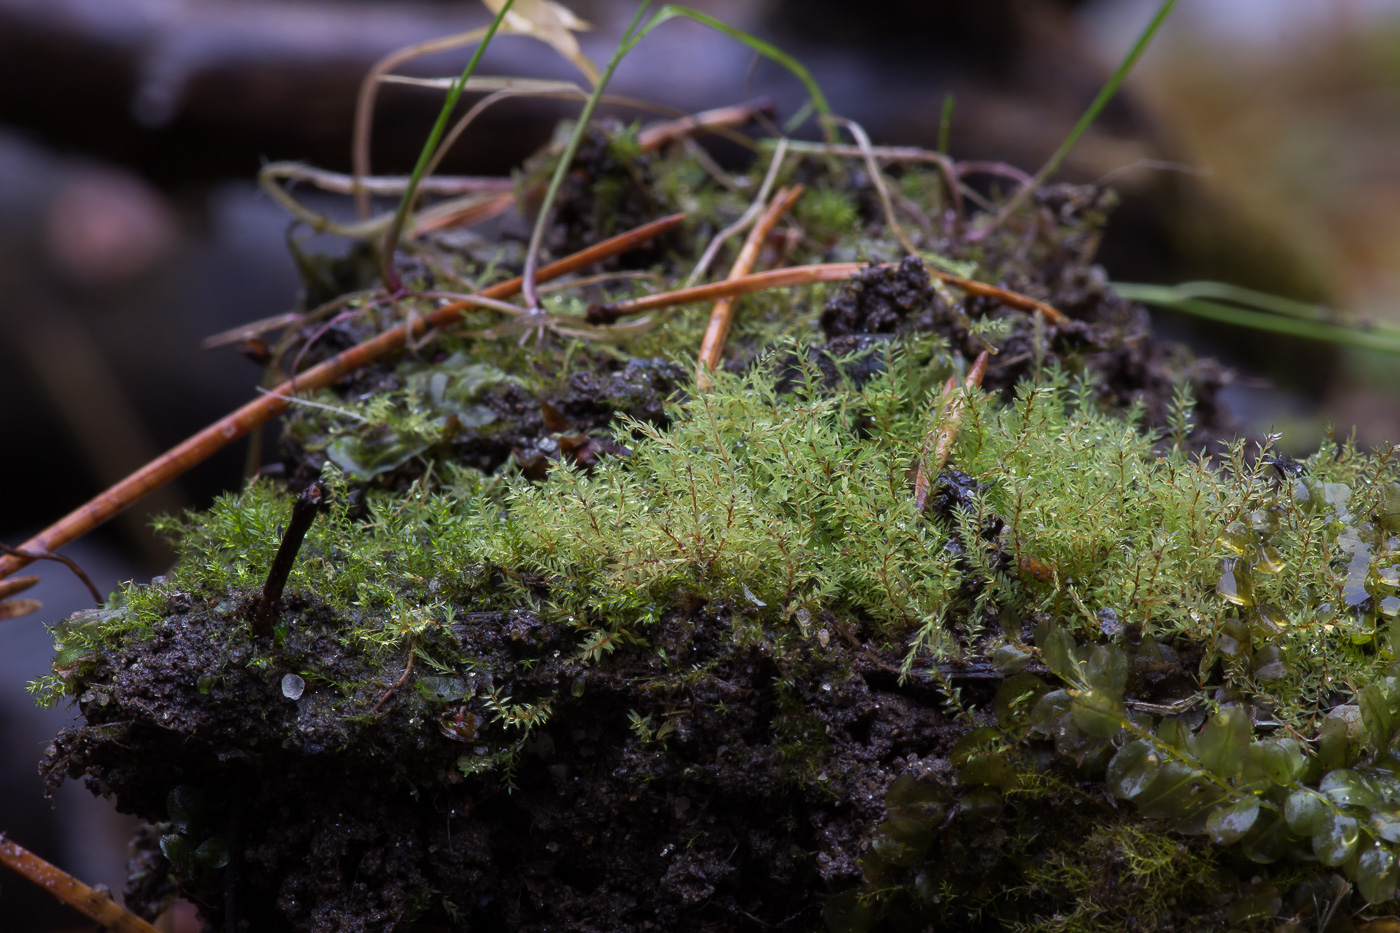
{"x": 950, "y": 402}
{"x": 755, "y": 207}
{"x": 722, "y": 317}
{"x": 91, "y": 902}
{"x": 204, "y": 444}
{"x": 877, "y": 178}
{"x": 806, "y": 275}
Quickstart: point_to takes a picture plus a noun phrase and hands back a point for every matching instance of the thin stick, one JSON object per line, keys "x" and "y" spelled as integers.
{"x": 303, "y": 514}
{"x": 28, "y": 555}
{"x": 95, "y": 904}
{"x": 201, "y": 446}
{"x": 734, "y": 115}
{"x": 877, "y": 178}
{"x": 951, "y": 403}
{"x": 753, "y": 210}
{"x": 722, "y": 317}
{"x": 393, "y": 688}
{"x": 805, "y": 275}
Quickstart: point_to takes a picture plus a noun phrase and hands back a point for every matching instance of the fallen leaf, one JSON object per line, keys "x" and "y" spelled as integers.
{"x": 553, "y": 24}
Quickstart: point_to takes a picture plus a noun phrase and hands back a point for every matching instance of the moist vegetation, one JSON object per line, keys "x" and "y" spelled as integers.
{"x": 578, "y": 646}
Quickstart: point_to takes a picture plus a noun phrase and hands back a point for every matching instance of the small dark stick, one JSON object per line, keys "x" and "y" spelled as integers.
{"x": 303, "y": 513}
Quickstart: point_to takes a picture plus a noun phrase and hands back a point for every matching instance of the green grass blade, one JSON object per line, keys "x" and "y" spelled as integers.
{"x": 1289, "y": 322}
{"x": 1106, "y": 93}
{"x": 767, "y": 50}
{"x": 532, "y": 255}
{"x": 391, "y": 239}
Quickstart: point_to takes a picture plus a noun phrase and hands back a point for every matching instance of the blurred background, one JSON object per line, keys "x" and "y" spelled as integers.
{"x": 1257, "y": 143}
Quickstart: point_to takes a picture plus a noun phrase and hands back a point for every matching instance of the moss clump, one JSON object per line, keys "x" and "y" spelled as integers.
{"x": 568, "y": 618}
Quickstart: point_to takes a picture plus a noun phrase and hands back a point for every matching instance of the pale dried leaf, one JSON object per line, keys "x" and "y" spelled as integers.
{"x": 551, "y": 23}
{"x": 14, "y": 608}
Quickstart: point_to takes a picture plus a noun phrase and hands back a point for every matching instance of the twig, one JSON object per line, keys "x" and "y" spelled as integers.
{"x": 29, "y": 553}
{"x": 655, "y": 137}
{"x": 364, "y": 102}
{"x": 303, "y": 514}
{"x": 393, "y": 688}
{"x": 754, "y": 208}
{"x": 877, "y": 179}
{"x": 723, "y": 314}
{"x": 951, "y": 403}
{"x": 805, "y": 275}
{"x": 91, "y": 902}
{"x": 203, "y": 445}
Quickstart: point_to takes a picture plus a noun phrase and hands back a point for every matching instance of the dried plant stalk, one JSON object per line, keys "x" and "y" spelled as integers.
{"x": 218, "y": 435}
{"x": 806, "y": 275}
{"x": 941, "y": 441}
{"x": 722, "y": 317}
{"x": 93, "y": 903}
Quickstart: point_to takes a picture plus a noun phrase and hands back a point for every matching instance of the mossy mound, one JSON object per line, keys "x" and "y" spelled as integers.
{"x": 577, "y": 646}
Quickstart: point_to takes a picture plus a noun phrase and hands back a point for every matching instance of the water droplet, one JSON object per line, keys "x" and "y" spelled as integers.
{"x": 292, "y": 686}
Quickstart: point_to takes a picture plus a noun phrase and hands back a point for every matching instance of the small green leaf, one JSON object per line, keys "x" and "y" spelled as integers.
{"x": 1050, "y": 712}
{"x": 1170, "y": 792}
{"x": 1010, "y": 659}
{"x": 1306, "y": 812}
{"x": 1227, "y": 825}
{"x": 1337, "y": 840}
{"x": 1223, "y": 742}
{"x": 1348, "y": 788}
{"x": 1376, "y": 874}
{"x": 1015, "y": 699}
{"x": 212, "y": 853}
{"x": 1385, "y": 822}
{"x": 1098, "y": 713}
{"x": 1132, "y": 768}
{"x": 176, "y": 849}
{"x": 187, "y": 808}
{"x": 1107, "y": 670}
{"x": 1059, "y": 654}
{"x": 1376, "y": 721}
{"x": 1281, "y": 760}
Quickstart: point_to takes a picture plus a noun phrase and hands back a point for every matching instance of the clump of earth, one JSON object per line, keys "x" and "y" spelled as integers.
{"x": 752, "y": 790}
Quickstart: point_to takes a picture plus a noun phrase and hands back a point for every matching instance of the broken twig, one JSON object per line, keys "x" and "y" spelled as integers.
{"x": 92, "y": 902}
{"x": 805, "y": 275}
{"x": 951, "y": 403}
{"x": 303, "y": 514}
{"x": 723, "y": 315}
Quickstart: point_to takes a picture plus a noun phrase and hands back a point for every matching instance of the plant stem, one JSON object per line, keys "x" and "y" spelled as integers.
{"x": 303, "y": 514}
{"x": 532, "y": 255}
{"x": 389, "y": 274}
{"x": 1110, "y": 88}
{"x": 806, "y": 275}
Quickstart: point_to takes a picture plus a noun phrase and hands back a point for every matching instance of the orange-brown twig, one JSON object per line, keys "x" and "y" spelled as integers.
{"x": 98, "y": 905}
{"x": 941, "y": 441}
{"x": 723, "y": 315}
{"x": 230, "y": 428}
{"x": 804, "y": 275}
{"x": 393, "y": 688}
{"x": 734, "y": 115}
